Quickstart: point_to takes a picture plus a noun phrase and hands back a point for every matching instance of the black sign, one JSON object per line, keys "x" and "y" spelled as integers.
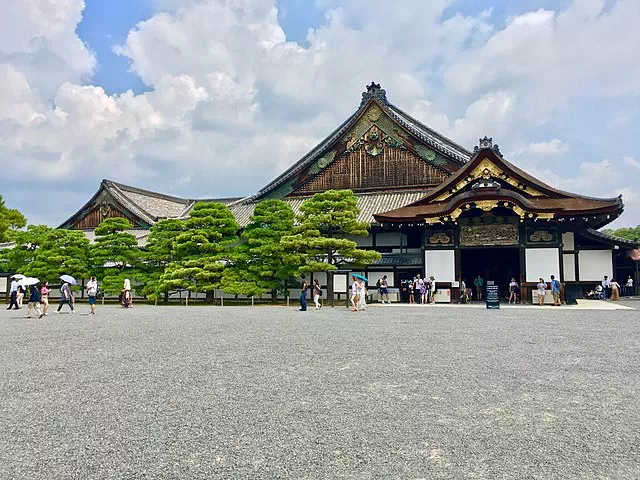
{"x": 492, "y": 295}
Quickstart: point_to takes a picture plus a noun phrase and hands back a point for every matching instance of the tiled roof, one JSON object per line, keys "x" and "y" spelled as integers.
{"x": 611, "y": 239}
{"x": 374, "y": 94}
{"x": 369, "y": 204}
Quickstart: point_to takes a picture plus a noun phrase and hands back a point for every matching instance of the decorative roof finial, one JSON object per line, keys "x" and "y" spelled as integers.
{"x": 374, "y": 91}
{"x": 487, "y": 143}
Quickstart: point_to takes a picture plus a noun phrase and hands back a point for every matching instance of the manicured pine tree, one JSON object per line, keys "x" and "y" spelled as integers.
{"x": 324, "y": 221}
{"x": 115, "y": 254}
{"x": 61, "y": 252}
{"x": 260, "y": 263}
{"x": 203, "y": 249}
{"x": 158, "y": 253}
{"x": 27, "y": 242}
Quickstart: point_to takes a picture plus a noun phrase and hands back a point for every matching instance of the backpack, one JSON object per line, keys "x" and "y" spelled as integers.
{"x": 379, "y": 283}
{"x": 320, "y": 291}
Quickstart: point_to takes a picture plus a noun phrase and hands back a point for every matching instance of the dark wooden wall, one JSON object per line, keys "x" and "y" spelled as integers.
{"x": 360, "y": 171}
{"x": 96, "y": 216}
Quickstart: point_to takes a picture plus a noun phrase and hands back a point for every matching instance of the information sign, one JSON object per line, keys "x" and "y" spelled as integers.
{"x": 492, "y": 295}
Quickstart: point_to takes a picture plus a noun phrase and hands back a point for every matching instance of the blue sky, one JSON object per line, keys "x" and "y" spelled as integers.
{"x": 225, "y": 95}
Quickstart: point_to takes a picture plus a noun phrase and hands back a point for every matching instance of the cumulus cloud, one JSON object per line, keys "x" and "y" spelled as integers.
{"x": 232, "y": 102}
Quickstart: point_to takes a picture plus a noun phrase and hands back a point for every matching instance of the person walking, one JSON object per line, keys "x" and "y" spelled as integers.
{"x": 20, "y": 295}
{"x": 432, "y": 290}
{"x": 542, "y": 291}
{"x": 606, "y": 284}
{"x": 44, "y": 298}
{"x": 629, "y": 286}
{"x": 92, "y": 293}
{"x": 317, "y": 293}
{"x": 66, "y": 296}
{"x": 128, "y": 298}
{"x": 362, "y": 295}
{"x": 14, "y": 294}
{"x": 384, "y": 290}
{"x": 555, "y": 291}
{"x": 34, "y": 301}
{"x": 513, "y": 290}
{"x": 615, "y": 290}
{"x": 304, "y": 286}
{"x": 355, "y": 297}
{"x": 479, "y": 284}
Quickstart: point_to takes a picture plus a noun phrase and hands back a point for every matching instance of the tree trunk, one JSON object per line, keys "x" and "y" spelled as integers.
{"x": 274, "y": 296}
{"x": 166, "y": 297}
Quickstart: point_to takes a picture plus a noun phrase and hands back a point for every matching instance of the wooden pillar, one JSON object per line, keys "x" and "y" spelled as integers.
{"x": 524, "y": 291}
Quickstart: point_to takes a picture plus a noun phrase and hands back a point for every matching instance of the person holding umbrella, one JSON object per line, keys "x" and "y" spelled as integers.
{"x": 65, "y": 293}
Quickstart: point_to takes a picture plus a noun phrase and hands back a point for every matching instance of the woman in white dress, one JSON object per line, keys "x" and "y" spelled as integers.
{"x": 362, "y": 293}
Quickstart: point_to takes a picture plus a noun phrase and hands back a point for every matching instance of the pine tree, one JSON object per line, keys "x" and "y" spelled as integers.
{"x": 260, "y": 263}
{"x": 60, "y": 252}
{"x": 203, "y": 249}
{"x": 325, "y": 220}
{"x": 115, "y": 254}
{"x": 10, "y": 220}
{"x": 27, "y": 242}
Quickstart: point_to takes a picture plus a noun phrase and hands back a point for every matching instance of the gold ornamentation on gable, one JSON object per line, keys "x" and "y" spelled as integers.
{"x": 386, "y": 130}
{"x": 487, "y": 170}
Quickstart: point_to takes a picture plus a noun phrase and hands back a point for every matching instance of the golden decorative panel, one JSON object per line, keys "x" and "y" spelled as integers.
{"x": 489, "y": 235}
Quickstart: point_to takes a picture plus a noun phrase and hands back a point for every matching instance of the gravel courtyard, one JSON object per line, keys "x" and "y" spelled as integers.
{"x": 270, "y": 392}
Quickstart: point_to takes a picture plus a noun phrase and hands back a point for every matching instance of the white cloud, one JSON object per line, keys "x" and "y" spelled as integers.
{"x": 632, "y": 162}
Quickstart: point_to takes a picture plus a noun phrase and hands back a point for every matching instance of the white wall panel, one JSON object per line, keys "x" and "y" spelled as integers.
{"x": 568, "y": 241}
{"x": 374, "y": 276}
{"x": 542, "y": 262}
{"x": 441, "y": 264}
{"x": 569, "y": 265}
{"x": 595, "y": 264}
{"x": 340, "y": 283}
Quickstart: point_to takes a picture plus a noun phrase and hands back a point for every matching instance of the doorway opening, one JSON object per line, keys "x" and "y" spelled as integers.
{"x": 497, "y": 264}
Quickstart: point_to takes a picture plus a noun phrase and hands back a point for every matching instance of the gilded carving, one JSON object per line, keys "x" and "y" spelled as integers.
{"x": 541, "y": 236}
{"x": 373, "y": 141}
{"x": 323, "y": 162}
{"x": 372, "y": 117}
{"x": 442, "y": 238}
{"x": 490, "y": 234}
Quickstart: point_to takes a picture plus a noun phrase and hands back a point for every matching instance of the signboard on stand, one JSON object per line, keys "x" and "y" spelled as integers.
{"x": 492, "y": 295}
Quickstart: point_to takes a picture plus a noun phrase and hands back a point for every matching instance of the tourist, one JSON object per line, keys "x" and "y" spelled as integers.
{"x": 542, "y": 291}
{"x": 384, "y": 290}
{"x": 615, "y": 290}
{"x": 479, "y": 284}
{"x": 44, "y": 298}
{"x": 629, "y": 286}
{"x": 92, "y": 293}
{"x": 417, "y": 287}
{"x": 128, "y": 298}
{"x": 317, "y": 293}
{"x": 14, "y": 294}
{"x": 34, "y": 301}
{"x": 555, "y": 291}
{"x": 424, "y": 289}
{"x": 362, "y": 295}
{"x": 606, "y": 284}
{"x": 20, "y": 295}
{"x": 355, "y": 297}
{"x": 513, "y": 290}
{"x": 432, "y": 290}
{"x": 303, "y": 294}
{"x": 66, "y": 296}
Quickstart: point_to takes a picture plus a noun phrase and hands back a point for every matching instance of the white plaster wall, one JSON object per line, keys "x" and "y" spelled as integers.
{"x": 441, "y": 264}
{"x": 568, "y": 241}
{"x": 569, "y": 265}
{"x": 541, "y": 262}
{"x": 374, "y": 276}
{"x": 594, "y": 264}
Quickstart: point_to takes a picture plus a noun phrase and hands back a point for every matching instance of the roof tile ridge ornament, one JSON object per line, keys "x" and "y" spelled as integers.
{"x": 374, "y": 91}
{"x": 487, "y": 143}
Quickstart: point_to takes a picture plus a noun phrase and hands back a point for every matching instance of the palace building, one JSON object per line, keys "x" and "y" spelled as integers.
{"x": 435, "y": 208}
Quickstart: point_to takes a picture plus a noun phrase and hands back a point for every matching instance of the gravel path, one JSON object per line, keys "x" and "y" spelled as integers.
{"x": 270, "y": 392}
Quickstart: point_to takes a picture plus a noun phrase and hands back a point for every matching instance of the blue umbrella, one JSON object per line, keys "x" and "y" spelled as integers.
{"x": 68, "y": 279}
{"x": 357, "y": 275}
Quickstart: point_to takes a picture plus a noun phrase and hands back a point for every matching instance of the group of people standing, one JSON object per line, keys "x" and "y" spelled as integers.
{"x": 423, "y": 291}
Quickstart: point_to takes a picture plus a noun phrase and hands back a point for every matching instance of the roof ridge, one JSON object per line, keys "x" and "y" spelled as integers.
{"x": 143, "y": 191}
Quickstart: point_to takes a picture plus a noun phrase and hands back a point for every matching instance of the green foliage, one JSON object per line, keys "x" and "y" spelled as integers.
{"x": 158, "y": 253}
{"x": 261, "y": 263}
{"x": 113, "y": 251}
{"x": 10, "y": 220}
{"x": 27, "y": 242}
{"x": 60, "y": 252}
{"x": 202, "y": 249}
{"x": 629, "y": 233}
{"x": 325, "y": 219}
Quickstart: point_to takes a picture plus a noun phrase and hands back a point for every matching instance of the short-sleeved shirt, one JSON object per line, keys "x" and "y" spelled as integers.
{"x": 513, "y": 286}
{"x": 478, "y": 282}
{"x": 542, "y": 286}
{"x": 354, "y": 289}
{"x": 92, "y": 288}
{"x": 14, "y": 286}
{"x": 555, "y": 285}
{"x": 629, "y": 282}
